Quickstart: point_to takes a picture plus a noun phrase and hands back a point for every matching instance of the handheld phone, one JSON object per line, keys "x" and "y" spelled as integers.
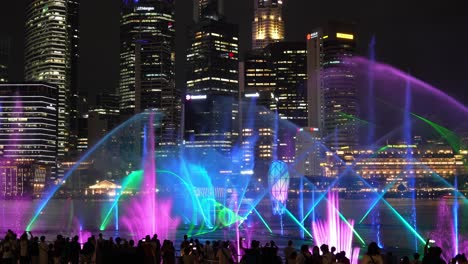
{"x": 431, "y": 241}
{"x": 243, "y": 239}
{"x": 194, "y": 248}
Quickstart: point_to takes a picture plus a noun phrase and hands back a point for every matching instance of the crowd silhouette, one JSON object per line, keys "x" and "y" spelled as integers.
{"x": 29, "y": 249}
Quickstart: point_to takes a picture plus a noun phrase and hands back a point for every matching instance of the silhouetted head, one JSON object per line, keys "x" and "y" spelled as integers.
{"x": 304, "y": 248}
{"x": 416, "y": 256}
{"x": 42, "y": 238}
{"x": 290, "y": 243}
{"x": 333, "y": 249}
{"x": 373, "y": 249}
{"x": 324, "y": 248}
{"x": 315, "y": 251}
{"x": 75, "y": 238}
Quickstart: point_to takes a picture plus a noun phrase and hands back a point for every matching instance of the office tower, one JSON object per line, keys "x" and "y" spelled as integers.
{"x": 289, "y": 62}
{"x": 28, "y": 131}
{"x": 258, "y": 111}
{"x": 147, "y": 58}
{"x": 51, "y": 46}
{"x": 332, "y": 91}
{"x": 76, "y": 98}
{"x": 268, "y": 25}
{"x": 307, "y": 152}
{"x": 211, "y": 107}
{"x": 4, "y": 59}
{"x": 207, "y": 9}
{"x": 103, "y": 117}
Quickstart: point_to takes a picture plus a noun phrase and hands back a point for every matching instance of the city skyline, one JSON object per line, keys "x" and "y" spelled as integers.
{"x": 413, "y": 24}
{"x": 232, "y": 99}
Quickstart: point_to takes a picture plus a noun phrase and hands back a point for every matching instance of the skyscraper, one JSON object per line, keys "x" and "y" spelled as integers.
{"x": 147, "y": 63}
{"x": 332, "y": 91}
{"x": 213, "y": 9}
{"x": 4, "y": 59}
{"x": 258, "y": 112}
{"x": 211, "y": 108}
{"x": 28, "y": 131}
{"x": 289, "y": 62}
{"x": 47, "y": 56}
{"x": 76, "y": 98}
{"x": 268, "y": 25}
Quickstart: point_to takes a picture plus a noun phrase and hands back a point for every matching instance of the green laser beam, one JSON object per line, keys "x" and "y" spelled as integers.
{"x": 377, "y": 200}
{"x": 297, "y": 221}
{"x": 348, "y": 224}
{"x": 405, "y": 222}
{"x": 352, "y": 117}
{"x": 447, "y": 134}
{"x": 263, "y": 220}
{"x": 131, "y": 181}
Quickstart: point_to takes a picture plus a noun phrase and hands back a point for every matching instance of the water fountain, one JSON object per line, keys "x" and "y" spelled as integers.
{"x": 206, "y": 194}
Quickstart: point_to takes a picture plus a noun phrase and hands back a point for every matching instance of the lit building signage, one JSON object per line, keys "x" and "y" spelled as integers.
{"x": 145, "y": 8}
{"x": 195, "y": 97}
{"x": 252, "y": 95}
{"x": 344, "y": 36}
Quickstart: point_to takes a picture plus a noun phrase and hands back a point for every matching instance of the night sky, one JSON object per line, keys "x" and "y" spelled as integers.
{"x": 427, "y": 38}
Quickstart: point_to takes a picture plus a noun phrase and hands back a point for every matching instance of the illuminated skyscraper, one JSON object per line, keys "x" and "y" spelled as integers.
{"x": 76, "y": 98}
{"x": 211, "y": 108}
{"x": 268, "y": 25}
{"x": 48, "y": 56}
{"x": 289, "y": 62}
{"x": 332, "y": 91}
{"x": 28, "y": 128}
{"x": 258, "y": 112}
{"x": 147, "y": 65}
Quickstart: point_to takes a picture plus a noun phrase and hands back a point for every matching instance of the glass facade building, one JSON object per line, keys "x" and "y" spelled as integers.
{"x": 268, "y": 24}
{"x": 147, "y": 66}
{"x": 76, "y": 98}
{"x": 51, "y": 55}
{"x": 289, "y": 62}
{"x": 211, "y": 105}
{"x": 332, "y": 85}
{"x": 29, "y": 124}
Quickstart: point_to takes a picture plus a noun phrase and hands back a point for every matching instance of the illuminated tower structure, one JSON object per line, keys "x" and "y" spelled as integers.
{"x": 332, "y": 92}
{"x": 258, "y": 112}
{"x": 147, "y": 67}
{"x": 28, "y": 137}
{"x": 211, "y": 107}
{"x": 51, "y": 53}
{"x": 76, "y": 98}
{"x": 289, "y": 62}
{"x": 268, "y": 25}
